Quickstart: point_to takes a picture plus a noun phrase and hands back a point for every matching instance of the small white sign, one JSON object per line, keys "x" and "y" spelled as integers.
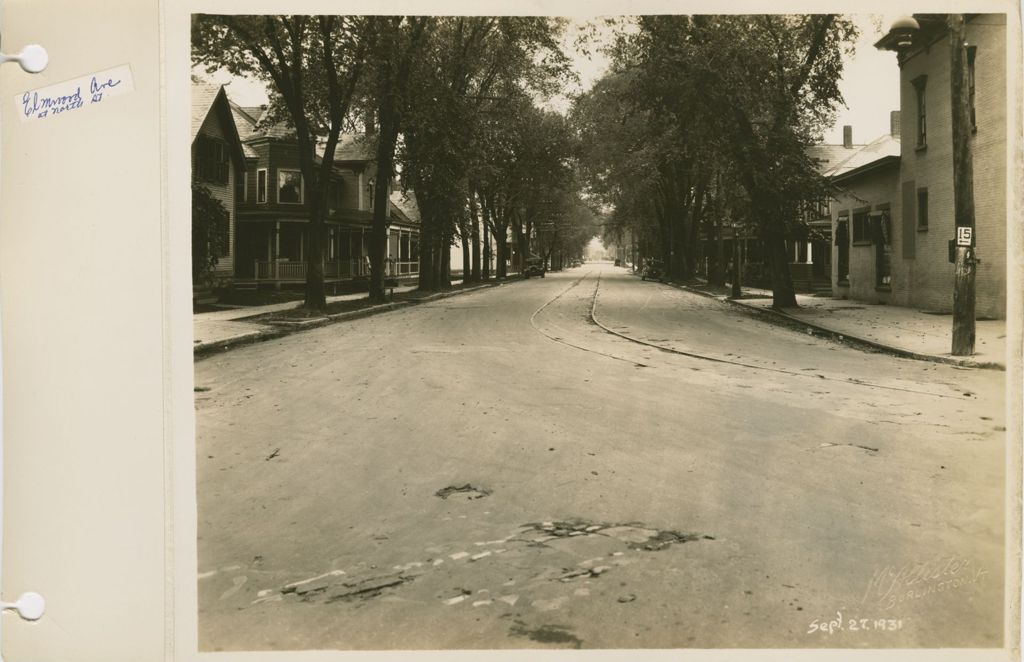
{"x": 964, "y": 235}
{"x": 74, "y": 94}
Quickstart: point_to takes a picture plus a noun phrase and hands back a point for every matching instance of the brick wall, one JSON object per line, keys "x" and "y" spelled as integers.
{"x": 928, "y": 274}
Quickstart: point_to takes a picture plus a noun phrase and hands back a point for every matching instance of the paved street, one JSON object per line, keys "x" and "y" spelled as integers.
{"x": 593, "y": 461}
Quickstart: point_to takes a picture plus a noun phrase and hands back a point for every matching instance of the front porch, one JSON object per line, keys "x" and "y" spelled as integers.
{"x": 284, "y": 270}
{"x": 275, "y": 254}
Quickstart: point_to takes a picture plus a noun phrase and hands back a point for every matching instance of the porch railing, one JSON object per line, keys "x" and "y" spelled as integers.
{"x": 354, "y": 268}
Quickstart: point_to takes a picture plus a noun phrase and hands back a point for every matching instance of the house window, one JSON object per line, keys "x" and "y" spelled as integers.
{"x": 212, "y": 160}
{"x": 289, "y": 186}
{"x": 881, "y": 232}
{"x": 972, "y": 51}
{"x": 922, "y": 120}
{"x": 334, "y": 195}
{"x": 843, "y": 246}
{"x": 261, "y": 185}
{"x": 922, "y": 209}
{"x": 241, "y": 186}
{"x": 861, "y": 227}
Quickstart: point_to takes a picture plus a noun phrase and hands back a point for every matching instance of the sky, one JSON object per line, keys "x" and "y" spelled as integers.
{"x": 870, "y": 82}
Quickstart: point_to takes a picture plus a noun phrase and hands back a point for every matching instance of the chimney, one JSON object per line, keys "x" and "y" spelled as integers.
{"x": 894, "y": 124}
{"x": 847, "y": 136}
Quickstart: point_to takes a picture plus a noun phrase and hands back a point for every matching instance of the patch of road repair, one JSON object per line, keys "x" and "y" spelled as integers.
{"x": 470, "y": 492}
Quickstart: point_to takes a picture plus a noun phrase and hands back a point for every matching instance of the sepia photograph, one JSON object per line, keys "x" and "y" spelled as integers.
{"x": 638, "y": 331}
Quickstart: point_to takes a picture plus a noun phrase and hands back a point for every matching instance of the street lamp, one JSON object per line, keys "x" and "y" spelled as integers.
{"x": 901, "y": 38}
{"x": 903, "y": 30}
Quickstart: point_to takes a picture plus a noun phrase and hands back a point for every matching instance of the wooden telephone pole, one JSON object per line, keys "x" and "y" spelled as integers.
{"x": 963, "y": 193}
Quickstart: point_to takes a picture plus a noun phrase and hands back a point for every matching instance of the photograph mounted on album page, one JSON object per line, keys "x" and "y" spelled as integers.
{"x": 639, "y": 329}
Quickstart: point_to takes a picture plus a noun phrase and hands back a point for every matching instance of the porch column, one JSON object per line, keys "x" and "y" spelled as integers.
{"x": 277, "y": 250}
{"x": 810, "y": 255}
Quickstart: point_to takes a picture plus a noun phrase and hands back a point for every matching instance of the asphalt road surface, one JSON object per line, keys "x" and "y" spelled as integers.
{"x": 592, "y": 461}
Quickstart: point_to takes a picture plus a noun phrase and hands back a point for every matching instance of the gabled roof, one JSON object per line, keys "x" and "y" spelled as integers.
{"x": 878, "y": 152}
{"x": 207, "y": 98}
{"x": 203, "y": 96}
{"x": 406, "y": 203}
{"x": 353, "y": 148}
{"x": 829, "y": 156}
{"x": 252, "y": 116}
{"x": 246, "y": 123}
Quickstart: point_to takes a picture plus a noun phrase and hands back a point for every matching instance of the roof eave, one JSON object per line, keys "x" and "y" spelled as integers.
{"x": 867, "y": 167}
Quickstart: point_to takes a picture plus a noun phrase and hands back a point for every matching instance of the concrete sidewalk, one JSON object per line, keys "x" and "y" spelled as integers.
{"x": 905, "y": 331}
{"x": 221, "y": 329}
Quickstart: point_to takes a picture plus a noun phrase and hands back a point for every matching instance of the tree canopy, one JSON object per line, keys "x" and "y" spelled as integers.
{"x": 707, "y": 115}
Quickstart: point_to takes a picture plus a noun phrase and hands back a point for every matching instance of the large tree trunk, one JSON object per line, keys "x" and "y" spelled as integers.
{"x": 474, "y": 241}
{"x": 783, "y": 293}
{"x": 426, "y": 281}
{"x": 316, "y": 297}
{"x": 501, "y": 244}
{"x": 379, "y": 232}
{"x": 442, "y": 258}
{"x": 445, "y": 279}
{"x": 718, "y": 270}
{"x": 485, "y": 268}
{"x": 465, "y": 241}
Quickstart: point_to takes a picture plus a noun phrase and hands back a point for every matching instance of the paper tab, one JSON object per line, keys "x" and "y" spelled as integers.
{"x": 75, "y": 94}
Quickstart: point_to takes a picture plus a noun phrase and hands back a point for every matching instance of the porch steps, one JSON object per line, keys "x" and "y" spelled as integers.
{"x": 818, "y": 288}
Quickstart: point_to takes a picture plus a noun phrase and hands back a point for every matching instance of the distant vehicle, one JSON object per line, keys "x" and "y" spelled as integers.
{"x": 618, "y": 262}
{"x": 534, "y": 267}
{"x": 653, "y": 270}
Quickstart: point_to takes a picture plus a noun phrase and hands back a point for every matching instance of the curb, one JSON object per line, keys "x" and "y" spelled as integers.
{"x": 444, "y": 295}
{"x": 851, "y": 339}
{"x": 282, "y": 328}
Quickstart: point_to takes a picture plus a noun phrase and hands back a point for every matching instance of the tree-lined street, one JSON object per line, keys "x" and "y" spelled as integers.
{"x": 593, "y": 461}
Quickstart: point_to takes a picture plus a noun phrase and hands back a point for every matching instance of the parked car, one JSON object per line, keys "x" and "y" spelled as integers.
{"x": 653, "y": 270}
{"x": 534, "y": 267}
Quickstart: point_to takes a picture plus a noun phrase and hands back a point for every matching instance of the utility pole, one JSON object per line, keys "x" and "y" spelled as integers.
{"x": 963, "y": 193}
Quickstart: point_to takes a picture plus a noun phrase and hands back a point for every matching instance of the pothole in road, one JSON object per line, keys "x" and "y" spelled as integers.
{"x": 546, "y": 634}
{"x": 469, "y": 492}
{"x": 369, "y": 588}
{"x": 333, "y": 587}
{"x": 634, "y": 536}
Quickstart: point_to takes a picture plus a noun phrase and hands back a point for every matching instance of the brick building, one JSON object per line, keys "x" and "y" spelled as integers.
{"x": 921, "y": 214}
